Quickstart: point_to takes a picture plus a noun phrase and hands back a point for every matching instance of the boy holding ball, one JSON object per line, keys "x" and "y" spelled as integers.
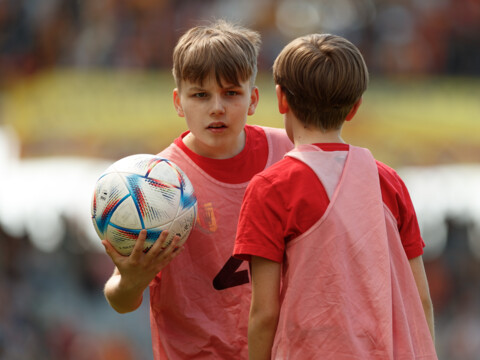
{"x": 199, "y": 303}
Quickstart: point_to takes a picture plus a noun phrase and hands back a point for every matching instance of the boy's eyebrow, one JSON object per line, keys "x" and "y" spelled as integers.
{"x": 195, "y": 88}
{"x": 231, "y": 86}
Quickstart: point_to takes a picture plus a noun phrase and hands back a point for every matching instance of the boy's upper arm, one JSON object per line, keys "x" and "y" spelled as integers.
{"x": 260, "y": 231}
{"x": 397, "y": 197}
{"x": 265, "y": 284}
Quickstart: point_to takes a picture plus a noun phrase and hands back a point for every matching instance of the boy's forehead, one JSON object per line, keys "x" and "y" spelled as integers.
{"x": 211, "y": 81}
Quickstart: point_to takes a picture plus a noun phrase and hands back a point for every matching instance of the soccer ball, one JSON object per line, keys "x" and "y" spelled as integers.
{"x": 143, "y": 192}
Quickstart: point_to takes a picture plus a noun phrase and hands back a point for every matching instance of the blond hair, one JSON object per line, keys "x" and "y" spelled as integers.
{"x": 229, "y": 51}
{"x": 322, "y": 76}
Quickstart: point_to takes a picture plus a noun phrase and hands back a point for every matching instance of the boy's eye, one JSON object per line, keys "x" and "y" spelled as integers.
{"x": 231, "y": 93}
{"x": 200, "y": 94}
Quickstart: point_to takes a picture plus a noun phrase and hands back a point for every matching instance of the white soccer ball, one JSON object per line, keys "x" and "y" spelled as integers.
{"x": 143, "y": 192}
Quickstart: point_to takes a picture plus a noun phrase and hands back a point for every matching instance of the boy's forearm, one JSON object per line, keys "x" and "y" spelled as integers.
{"x": 265, "y": 307}
{"x": 121, "y": 297}
{"x": 428, "y": 310}
{"x": 420, "y": 277}
{"x": 260, "y": 339}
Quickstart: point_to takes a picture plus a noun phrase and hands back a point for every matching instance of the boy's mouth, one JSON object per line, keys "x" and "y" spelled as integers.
{"x": 217, "y": 125}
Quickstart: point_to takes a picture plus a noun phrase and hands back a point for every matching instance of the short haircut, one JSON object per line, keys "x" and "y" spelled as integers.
{"x": 227, "y": 50}
{"x": 322, "y": 76}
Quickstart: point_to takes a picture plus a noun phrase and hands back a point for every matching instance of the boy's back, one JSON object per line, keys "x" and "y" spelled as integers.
{"x": 360, "y": 273}
{"x": 299, "y": 210}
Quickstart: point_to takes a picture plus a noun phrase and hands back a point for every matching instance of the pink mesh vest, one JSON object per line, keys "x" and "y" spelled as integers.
{"x": 348, "y": 290}
{"x": 199, "y": 303}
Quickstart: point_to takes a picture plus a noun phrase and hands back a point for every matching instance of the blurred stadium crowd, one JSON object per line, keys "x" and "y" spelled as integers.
{"x": 395, "y": 36}
{"x": 51, "y": 302}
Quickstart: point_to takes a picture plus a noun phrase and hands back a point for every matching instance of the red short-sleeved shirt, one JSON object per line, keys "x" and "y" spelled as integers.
{"x": 294, "y": 199}
{"x": 240, "y": 168}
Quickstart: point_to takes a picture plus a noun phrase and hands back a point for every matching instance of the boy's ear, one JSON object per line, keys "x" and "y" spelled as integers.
{"x": 354, "y": 109}
{"x": 281, "y": 99}
{"x": 177, "y": 103}
{"x": 254, "y": 97}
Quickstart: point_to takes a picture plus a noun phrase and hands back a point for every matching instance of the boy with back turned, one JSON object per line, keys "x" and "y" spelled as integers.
{"x": 331, "y": 233}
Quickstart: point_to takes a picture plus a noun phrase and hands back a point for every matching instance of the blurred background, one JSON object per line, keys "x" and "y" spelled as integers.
{"x": 84, "y": 83}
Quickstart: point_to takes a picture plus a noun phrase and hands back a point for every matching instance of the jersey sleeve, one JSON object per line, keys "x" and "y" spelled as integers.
{"x": 409, "y": 229}
{"x": 260, "y": 227}
{"x": 396, "y": 196}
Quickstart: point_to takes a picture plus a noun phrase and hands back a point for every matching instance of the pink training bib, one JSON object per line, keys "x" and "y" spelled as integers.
{"x": 348, "y": 290}
{"x": 199, "y": 303}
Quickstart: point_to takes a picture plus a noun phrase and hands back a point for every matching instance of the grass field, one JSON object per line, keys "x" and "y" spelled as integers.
{"x": 419, "y": 121}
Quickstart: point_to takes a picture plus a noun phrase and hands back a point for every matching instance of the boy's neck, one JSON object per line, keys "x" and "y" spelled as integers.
{"x": 227, "y": 151}
{"x": 302, "y": 136}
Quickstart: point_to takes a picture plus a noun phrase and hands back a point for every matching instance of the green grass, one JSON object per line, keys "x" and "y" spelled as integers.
{"x": 112, "y": 114}
{"x": 423, "y": 121}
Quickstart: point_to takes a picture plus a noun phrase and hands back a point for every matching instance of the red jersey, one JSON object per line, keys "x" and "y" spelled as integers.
{"x": 297, "y": 201}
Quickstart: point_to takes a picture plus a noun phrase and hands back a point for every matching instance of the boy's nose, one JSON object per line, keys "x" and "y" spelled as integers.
{"x": 217, "y": 107}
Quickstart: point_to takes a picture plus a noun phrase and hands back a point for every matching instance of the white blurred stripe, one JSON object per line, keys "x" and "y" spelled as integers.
{"x": 36, "y": 195}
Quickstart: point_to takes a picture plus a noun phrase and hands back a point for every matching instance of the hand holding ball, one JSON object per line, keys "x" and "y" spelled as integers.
{"x": 143, "y": 192}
